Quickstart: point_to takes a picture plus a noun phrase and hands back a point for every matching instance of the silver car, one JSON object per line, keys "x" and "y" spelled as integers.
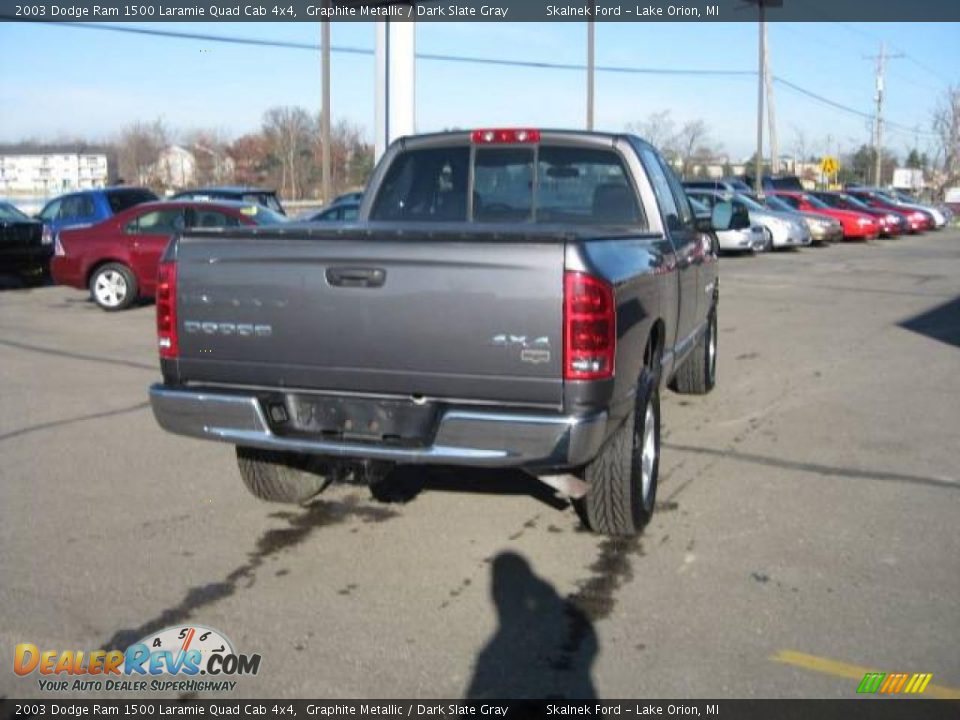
{"x": 823, "y": 228}
{"x": 749, "y": 239}
{"x": 781, "y": 229}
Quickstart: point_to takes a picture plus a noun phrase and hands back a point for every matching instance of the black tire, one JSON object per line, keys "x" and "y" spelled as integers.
{"x": 281, "y": 477}
{"x": 124, "y": 290}
{"x": 698, "y": 374}
{"x": 616, "y": 503}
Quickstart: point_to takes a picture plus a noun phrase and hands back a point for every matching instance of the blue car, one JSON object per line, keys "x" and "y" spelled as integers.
{"x": 88, "y": 207}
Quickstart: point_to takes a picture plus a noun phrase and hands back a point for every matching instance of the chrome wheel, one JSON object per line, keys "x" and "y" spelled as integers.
{"x": 648, "y": 455}
{"x": 712, "y": 350}
{"x": 110, "y": 288}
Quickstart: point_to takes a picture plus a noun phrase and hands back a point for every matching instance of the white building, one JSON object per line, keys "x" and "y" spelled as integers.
{"x": 180, "y": 167}
{"x": 51, "y": 173}
{"x": 175, "y": 168}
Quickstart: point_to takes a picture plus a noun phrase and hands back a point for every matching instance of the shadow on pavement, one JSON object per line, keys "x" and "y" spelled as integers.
{"x": 940, "y": 323}
{"x": 544, "y": 645}
{"x": 407, "y": 481}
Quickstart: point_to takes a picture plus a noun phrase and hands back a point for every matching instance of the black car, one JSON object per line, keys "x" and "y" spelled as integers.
{"x": 24, "y": 247}
{"x": 266, "y": 198}
{"x": 776, "y": 182}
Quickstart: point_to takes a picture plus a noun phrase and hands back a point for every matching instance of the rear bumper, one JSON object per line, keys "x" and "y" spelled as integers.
{"x": 463, "y": 437}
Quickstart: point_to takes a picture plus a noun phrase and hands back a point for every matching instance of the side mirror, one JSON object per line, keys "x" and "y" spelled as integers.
{"x": 741, "y": 218}
{"x": 722, "y": 216}
{"x": 704, "y": 224}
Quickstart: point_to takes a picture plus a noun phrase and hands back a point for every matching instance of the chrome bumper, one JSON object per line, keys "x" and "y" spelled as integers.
{"x": 463, "y": 437}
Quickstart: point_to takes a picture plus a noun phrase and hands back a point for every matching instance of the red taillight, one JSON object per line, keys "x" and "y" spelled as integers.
{"x": 589, "y": 328}
{"x": 167, "y": 310}
{"x": 505, "y": 135}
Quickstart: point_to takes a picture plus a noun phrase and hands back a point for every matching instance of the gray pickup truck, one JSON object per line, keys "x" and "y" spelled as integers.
{"x": 507, "y": 298}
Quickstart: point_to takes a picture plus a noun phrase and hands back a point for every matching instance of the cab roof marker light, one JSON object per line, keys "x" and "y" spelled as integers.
{"x": 507, "y": 136}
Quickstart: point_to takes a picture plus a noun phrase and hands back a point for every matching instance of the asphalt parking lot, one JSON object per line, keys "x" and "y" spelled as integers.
{"x": 807, "y": 524}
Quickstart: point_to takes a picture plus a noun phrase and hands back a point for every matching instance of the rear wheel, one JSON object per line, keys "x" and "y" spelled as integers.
{"x": 282, "y": 477}
{"x": 623, "y": 477}
{"x": 113, "y": 287}
{"x": 698, "y": 374}
{"x": 767, "y": 239}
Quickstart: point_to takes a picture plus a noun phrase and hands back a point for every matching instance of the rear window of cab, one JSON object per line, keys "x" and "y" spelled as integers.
{"x": 510, "y": 184}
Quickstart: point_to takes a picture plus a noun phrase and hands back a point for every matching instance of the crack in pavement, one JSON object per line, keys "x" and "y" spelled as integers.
{"x": 70, "y": 421}
{"x": 78, "y": 356}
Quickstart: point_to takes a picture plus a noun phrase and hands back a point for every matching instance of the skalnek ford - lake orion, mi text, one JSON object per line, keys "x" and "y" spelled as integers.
{"x": 637, "y": 11}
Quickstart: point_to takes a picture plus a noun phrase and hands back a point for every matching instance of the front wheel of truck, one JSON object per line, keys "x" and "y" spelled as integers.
{"x": 281, "y": 477}
{"x": 622, "y": 479}
{"x": 698, "y": 374}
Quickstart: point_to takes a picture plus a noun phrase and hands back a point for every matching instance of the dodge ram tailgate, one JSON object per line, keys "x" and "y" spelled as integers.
{"x": 385, "y": 312}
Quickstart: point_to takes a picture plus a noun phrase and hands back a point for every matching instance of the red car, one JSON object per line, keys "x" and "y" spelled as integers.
{"x": 117, "y": 259}
{"x": 917, "y": 220}
{"x": 856, "y": 225}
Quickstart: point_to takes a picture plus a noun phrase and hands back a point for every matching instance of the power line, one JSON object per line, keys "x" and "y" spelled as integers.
{"x": 874, "y": 37}
{"x": 821, "y": 98}
{"x": 314, "y": 47}
{"x": 468, "y": 59}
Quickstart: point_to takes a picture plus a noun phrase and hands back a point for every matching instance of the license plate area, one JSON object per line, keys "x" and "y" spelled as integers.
{"x": 365, "y": 419}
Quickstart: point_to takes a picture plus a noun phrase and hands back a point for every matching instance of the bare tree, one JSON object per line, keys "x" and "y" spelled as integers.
{"x": 692, "y": 135}
{"x": 138, "y": 149}
{"x": 800, "y": 147}
{"x": 252, "y": 162}
{"x": 351, "y": 156}
{"x": 659, "y": 130}
{"x": 290, "y": 132}
{"x": 946, "y": 123}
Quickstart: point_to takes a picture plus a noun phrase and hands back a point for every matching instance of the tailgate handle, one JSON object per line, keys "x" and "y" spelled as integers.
{"x": 356, "y": 276}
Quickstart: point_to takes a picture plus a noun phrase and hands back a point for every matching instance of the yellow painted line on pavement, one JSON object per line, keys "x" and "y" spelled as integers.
{"x": 853, "y": 672}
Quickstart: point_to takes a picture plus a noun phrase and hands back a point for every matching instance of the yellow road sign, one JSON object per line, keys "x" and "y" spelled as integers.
{"x": 829, "y": 165}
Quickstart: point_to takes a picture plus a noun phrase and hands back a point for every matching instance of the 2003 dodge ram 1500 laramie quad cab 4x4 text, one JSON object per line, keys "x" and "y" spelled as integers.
{"x": 508, "y": 298}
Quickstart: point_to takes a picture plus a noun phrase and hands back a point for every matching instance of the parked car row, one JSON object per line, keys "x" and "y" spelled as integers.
{"x": 791, "y": 217}
{"x": 109, "y": 240}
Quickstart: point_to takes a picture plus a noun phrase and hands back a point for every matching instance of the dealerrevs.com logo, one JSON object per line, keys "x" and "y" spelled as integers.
{"x": 189, "y": 658}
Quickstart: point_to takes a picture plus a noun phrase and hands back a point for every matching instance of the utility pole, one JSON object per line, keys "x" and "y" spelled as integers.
{"x": 761, "y": 88}
{"x": 758, "y": 170}
{"x": 771, "y": 113}
{"x": 590, "y": 59}
{"x": 325, "y": 111}
{"x": 878, "y": 120}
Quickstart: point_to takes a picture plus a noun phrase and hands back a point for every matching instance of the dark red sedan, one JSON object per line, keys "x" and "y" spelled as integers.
{"x": 116, "y": 260}
{"x": 856, "y": 225}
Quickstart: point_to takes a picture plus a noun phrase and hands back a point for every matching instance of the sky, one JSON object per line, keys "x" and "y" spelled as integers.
{"x": 67, "y": 82}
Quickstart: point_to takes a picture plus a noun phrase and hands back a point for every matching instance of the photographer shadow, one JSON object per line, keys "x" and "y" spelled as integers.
{"x": 544, "y": 646}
